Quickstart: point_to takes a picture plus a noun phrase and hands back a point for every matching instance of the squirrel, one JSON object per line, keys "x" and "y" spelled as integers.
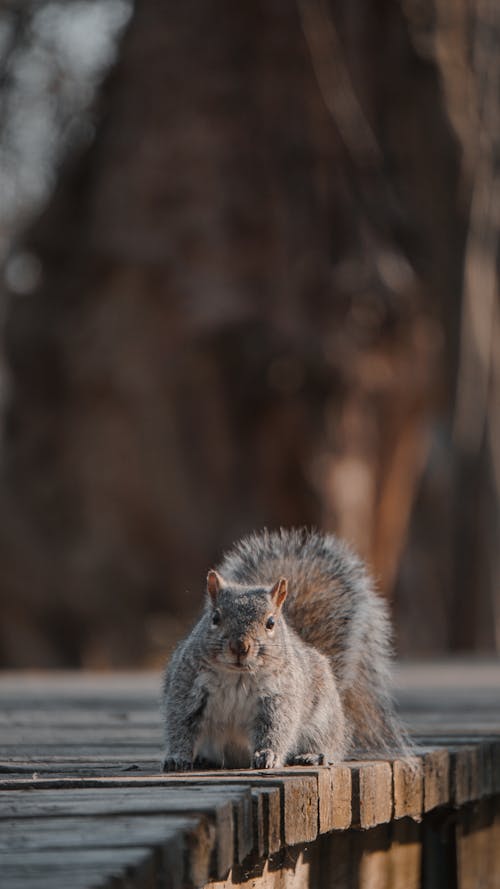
{"x": 289, "y": 664}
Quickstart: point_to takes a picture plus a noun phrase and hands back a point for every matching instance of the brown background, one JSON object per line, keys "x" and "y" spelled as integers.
{"x": 266, "y": 293}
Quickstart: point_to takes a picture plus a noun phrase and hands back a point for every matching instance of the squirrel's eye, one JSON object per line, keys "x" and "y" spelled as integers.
{"x": 216, "y": 618}
{"x": 270, "y": 623}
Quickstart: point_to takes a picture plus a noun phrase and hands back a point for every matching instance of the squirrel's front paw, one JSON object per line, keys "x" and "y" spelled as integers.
{"x": 308, "y": 759}
{"x": 177, "y": 764}
{"x": 265, "y": 759}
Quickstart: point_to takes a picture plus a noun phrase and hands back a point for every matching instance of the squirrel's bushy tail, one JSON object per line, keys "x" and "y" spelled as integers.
{"x": 373, "y": 724}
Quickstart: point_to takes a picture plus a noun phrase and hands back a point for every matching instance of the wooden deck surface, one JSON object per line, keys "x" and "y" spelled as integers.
{"x": 83, "y": 803}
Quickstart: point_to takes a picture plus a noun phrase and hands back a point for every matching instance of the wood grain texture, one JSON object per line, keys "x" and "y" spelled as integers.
{"x": 335, "y": 798}
{"x": 436, "y": 764}
{"x": 298, "y": 792}
{"x": 78, "y": 868}
{"x": 217, "y": 805}
{"x": 408, "y": 787}
{"x": 183, "y": 846}
{"x": 372, "y": 799}
{"x": 478, "y": 846}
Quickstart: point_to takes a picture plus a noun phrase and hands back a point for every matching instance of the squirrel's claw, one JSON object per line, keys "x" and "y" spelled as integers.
{"x": 176, "y": 764}
{"x": 265, "y": 759}
{"x": 308, "y": 759}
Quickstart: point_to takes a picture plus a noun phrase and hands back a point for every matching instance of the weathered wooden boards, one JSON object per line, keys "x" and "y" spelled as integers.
{"x": 82, "y": 802}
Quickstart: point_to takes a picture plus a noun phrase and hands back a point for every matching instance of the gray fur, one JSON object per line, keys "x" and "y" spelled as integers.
{"x": 314, "y": 688}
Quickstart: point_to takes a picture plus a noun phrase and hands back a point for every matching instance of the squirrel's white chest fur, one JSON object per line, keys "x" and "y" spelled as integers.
{"x": 225, "y": 734}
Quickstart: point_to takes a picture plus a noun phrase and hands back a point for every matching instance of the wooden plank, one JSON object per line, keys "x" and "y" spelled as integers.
{"x": 385, "y": 857}
{"x": 451, "y": 675}
{"x": 244, "y": 827}
{"x": 258, "y": 818}
{"x": 291, "y": 785}
{"x": 57, "y": 758}
{"x": 389, "y": 856}
{"x": 372, "y": 793}
{"x": 218, "y": 809}
{"x": 408, "y": 777}
{"x": 319, "y": 812}
{"x": 93, "y": 832}
{"x": 57, "y": 716}
{"x": 183, "y": 845}
{"x": 436, "y": 762}
{"x": 333, "y": 801}
{"x": 483, "y": 727}
{"x": 439, "y": 863}
{"x": 298, "y": 791}
{"x": 333, "y": 791}
{"x": 495, "y": 765}
{"x": 465, "y": 773}
{"x": 300, "y": 809}
{"x": 81, "y": 736}
{"x": 124, "y": 754}
{"x": 335, "y": 798}
{"x": 405, "y": 856}
{"x": 472, "y": 766}
{"x": 298, "y": 788}
{"x": 216, "y": 803}
{"x": 135, "y": 868}
{"x": 246, "y": 834}
{"x": 138, "y": 684}
{"x": 271, "y": 797}
{"x": 294, "y": 871}
{"x": 478, "y": 846}
{"x": 488, "y": 766}
{"x": 19, "y": 770}
{"x": 266, "y": 821}
{"x": 46, "y": 707}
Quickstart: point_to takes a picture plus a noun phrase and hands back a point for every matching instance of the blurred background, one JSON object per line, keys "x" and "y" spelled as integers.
{"x": 249, "y": 260}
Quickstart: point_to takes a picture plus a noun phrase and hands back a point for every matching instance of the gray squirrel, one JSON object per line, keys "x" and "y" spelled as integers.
{"x": 287, "y": 665}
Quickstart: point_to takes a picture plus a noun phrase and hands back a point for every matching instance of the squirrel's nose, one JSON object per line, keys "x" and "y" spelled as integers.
{"x": 239, "y": 646}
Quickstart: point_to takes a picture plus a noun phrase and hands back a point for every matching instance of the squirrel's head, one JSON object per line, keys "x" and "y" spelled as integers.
{"x": 243, "y": 622}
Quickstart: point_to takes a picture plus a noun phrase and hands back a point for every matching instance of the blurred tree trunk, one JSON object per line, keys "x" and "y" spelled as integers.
{"x": 453, "y": 544}
{"x": 249, "y": 316}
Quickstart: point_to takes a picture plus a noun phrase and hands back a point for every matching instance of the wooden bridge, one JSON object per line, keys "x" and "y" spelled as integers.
{"x": 83, "y": 804}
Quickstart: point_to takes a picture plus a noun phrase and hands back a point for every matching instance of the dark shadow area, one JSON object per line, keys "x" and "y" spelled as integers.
{"x": 444, "y": 851}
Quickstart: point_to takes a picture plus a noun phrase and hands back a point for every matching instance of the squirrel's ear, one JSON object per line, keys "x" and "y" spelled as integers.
{"x": 214, "y": 583}
{"x": 279, "y": 592}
